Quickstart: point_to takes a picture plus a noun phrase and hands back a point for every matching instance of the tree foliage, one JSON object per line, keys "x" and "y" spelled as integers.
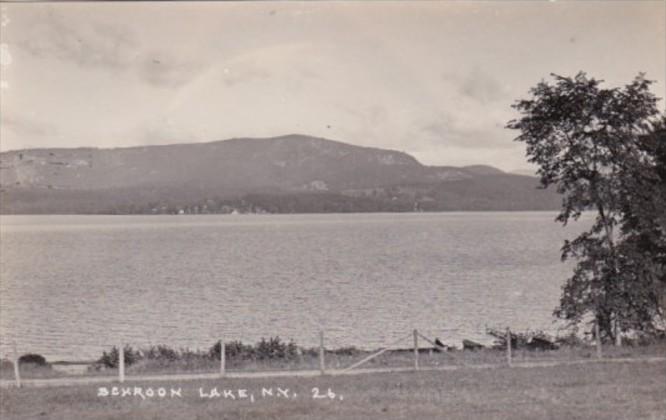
{"x": 603, "y": 150}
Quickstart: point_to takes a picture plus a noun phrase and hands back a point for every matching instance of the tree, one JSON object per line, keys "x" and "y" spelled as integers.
{"x": 644, "y": 221}
{"x": 600, "y": 148}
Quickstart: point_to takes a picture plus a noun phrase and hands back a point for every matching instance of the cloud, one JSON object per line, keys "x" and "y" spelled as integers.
{"x": 26, "y": 126}
{"x": 447, "y": 132}
{"x": 471, "y": 115}
{"x": 161, "y": 130}
{"x": 18, "y": 132}
{"x": 165, "y": 69}
{"x": 101, "y": 45}
{"x": 482, "y": 87}
{"x": 249, "y": 74}
{"x": 86, "y": 43}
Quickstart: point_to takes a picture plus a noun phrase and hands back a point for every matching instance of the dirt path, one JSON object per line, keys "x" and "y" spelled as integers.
{"x": 91, "y": 380}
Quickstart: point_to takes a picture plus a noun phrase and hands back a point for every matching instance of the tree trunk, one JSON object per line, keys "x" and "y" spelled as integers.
{"x": 615, "y": 320}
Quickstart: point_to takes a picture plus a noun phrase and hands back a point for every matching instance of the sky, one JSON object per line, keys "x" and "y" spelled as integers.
{"x": 434, "y": 79}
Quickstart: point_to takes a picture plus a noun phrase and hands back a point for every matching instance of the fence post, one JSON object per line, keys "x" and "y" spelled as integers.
{"x": 322, "y": 364}
{"x": 121, "y": 363}
{"x": 223, "y": 357}
{"x": 508, "y": 346}
{"x": 416, "y": 350}
{"x": 17, "y": 373}
{"x": 597, "y": 335}
{"x": 616, "y": 329}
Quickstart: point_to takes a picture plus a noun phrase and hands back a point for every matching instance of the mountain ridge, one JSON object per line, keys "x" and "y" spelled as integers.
{"x": 223, "y": 173}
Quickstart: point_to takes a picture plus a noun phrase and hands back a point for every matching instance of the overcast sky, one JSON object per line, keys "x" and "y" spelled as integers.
{"x": 433, "y": 79}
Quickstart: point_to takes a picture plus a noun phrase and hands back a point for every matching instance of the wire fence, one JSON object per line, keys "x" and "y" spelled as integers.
{"x": 411, "y": 351}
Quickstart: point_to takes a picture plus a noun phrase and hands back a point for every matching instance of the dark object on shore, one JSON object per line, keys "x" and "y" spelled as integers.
{"x": 346, "y": 351}
{"x": 32, "y": 359}
{"x": 421, "y": 350}
{"x": 439, "y": 346}
{"x": 471, "y": 345}
{"x": 517, "y": 339}
{"x": 540, "y": 343}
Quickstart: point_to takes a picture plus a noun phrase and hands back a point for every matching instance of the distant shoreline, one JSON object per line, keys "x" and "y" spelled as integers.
{"x": 287, "y": 214}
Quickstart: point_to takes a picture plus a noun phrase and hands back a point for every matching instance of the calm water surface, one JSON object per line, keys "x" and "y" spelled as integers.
{"x": 71, "y": 286}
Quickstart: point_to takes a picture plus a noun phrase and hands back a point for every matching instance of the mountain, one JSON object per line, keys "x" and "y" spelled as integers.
{"x": 527, "y": 172}
{"x": 293, "y": 173}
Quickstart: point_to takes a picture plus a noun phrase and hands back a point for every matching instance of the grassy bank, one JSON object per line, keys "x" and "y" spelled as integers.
{"x": 590, "y": 391}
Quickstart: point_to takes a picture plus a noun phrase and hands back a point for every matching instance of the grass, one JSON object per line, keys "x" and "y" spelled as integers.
{"x": 591, "y": 391}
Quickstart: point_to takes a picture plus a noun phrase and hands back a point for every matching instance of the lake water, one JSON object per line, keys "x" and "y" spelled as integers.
{"x": 71, "y": 286}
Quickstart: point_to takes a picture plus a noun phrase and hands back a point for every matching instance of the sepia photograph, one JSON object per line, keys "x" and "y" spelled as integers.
{"x": 333, "y": 210}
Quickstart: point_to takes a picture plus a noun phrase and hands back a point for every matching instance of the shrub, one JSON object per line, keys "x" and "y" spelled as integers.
{"x": 33, "y": 359}
{"x": 234, "y": 350}
{"x": 161, "y": 352}
{"x": 313, "y": 351}
{"x": 190, "y": 355}
{"x": 110, "y": 359}
{"x": 274, "y": 348}
{"x": 266, "y": 349}
{"x": 645, "y": 338}
{"x": 571, "y": 340}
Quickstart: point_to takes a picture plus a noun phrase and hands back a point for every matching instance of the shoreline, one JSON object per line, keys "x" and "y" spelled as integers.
{"x": 335, "y": 360}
